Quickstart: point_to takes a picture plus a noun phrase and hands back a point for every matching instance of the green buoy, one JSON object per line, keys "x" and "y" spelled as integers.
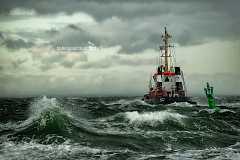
{"x": 210, "y": 97}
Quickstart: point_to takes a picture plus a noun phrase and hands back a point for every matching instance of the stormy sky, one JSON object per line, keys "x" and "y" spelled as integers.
{"x": 126, "y": 35}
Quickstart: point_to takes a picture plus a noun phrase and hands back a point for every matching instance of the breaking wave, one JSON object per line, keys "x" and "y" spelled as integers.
{"x": 230, "y": 152}
{"x": 48, "y": 123}
{"x": 153, "y": 118}
{"x": 36, "y": 151}
{"x": 128, "y": 103}
{"x": 47, "y": 113}
{"x": 118, "y": 129}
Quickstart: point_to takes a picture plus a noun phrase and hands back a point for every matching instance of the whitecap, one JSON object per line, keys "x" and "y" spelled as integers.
{"x": 152, "y": 118}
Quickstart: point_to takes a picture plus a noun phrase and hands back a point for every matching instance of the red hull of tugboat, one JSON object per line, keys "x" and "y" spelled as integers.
{"x": 167, "y": 100}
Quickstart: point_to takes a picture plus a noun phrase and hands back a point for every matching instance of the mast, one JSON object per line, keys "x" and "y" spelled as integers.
{"x": 150, "y": 82}
{"x": 166, "y": 38}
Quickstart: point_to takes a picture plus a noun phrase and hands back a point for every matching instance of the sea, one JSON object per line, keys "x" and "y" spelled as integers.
{"x": 118, "y": 128}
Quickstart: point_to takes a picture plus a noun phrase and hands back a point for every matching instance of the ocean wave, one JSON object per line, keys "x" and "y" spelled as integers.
{"x": 49, "y": 123}
{"x": 153, "y": 118}
{"x": 36, "y": 151}
{"x": 211, "y": 111}
{"x": 232, "y": 105}
{"x": 231, "y": 153}
{"x": 59, "y": 129}
{"x": 46, "y": 117}
{"x": 181, "y": 104}
{"x": 129, "y": 102}
{"x": 48, "y": 112}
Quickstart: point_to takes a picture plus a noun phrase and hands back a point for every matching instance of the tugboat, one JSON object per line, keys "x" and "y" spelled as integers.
{"x": 167, "y": 84}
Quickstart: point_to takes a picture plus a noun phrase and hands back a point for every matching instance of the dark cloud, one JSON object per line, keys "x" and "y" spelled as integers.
{"x": 51, "y": 61}
{"x": 1, "y": 68}
{"x": 18, "y": 62}
{"x": 17, "y": 44}
{"x": 52, "y": 32}
{"x": 68, "y": 64}
{"x": 106, "y": 8}
{"x": 190, "y": 21}
{"x": 116, "y": 60}
{"x": 96, "y": 65}
{"x": 54, "y": 60}
{"x": 74, "y": 36}
{"x": 140, "y": 42}
{"x": 1, "y": 36}
{"x": 13, "y": 43}
{"x": 132, "y": 25}
{"x": 130, "y": 40}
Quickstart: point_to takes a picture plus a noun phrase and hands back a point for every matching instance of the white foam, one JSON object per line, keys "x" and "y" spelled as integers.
{"x": 42, "y": 104}
{"x": 213, "y": 153}
{"x": 211, "y": 111}
{"x": 231, "y": 105}
{"x": 33, "y": 150}
{"x": 181, "y": 104}
{"x": 124, "y": 102}
{"x": 152, "y": 118}
{"x": 38, "y": 107}
{"x": 226, "y": 110}
{"x": 9, "y": 125}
